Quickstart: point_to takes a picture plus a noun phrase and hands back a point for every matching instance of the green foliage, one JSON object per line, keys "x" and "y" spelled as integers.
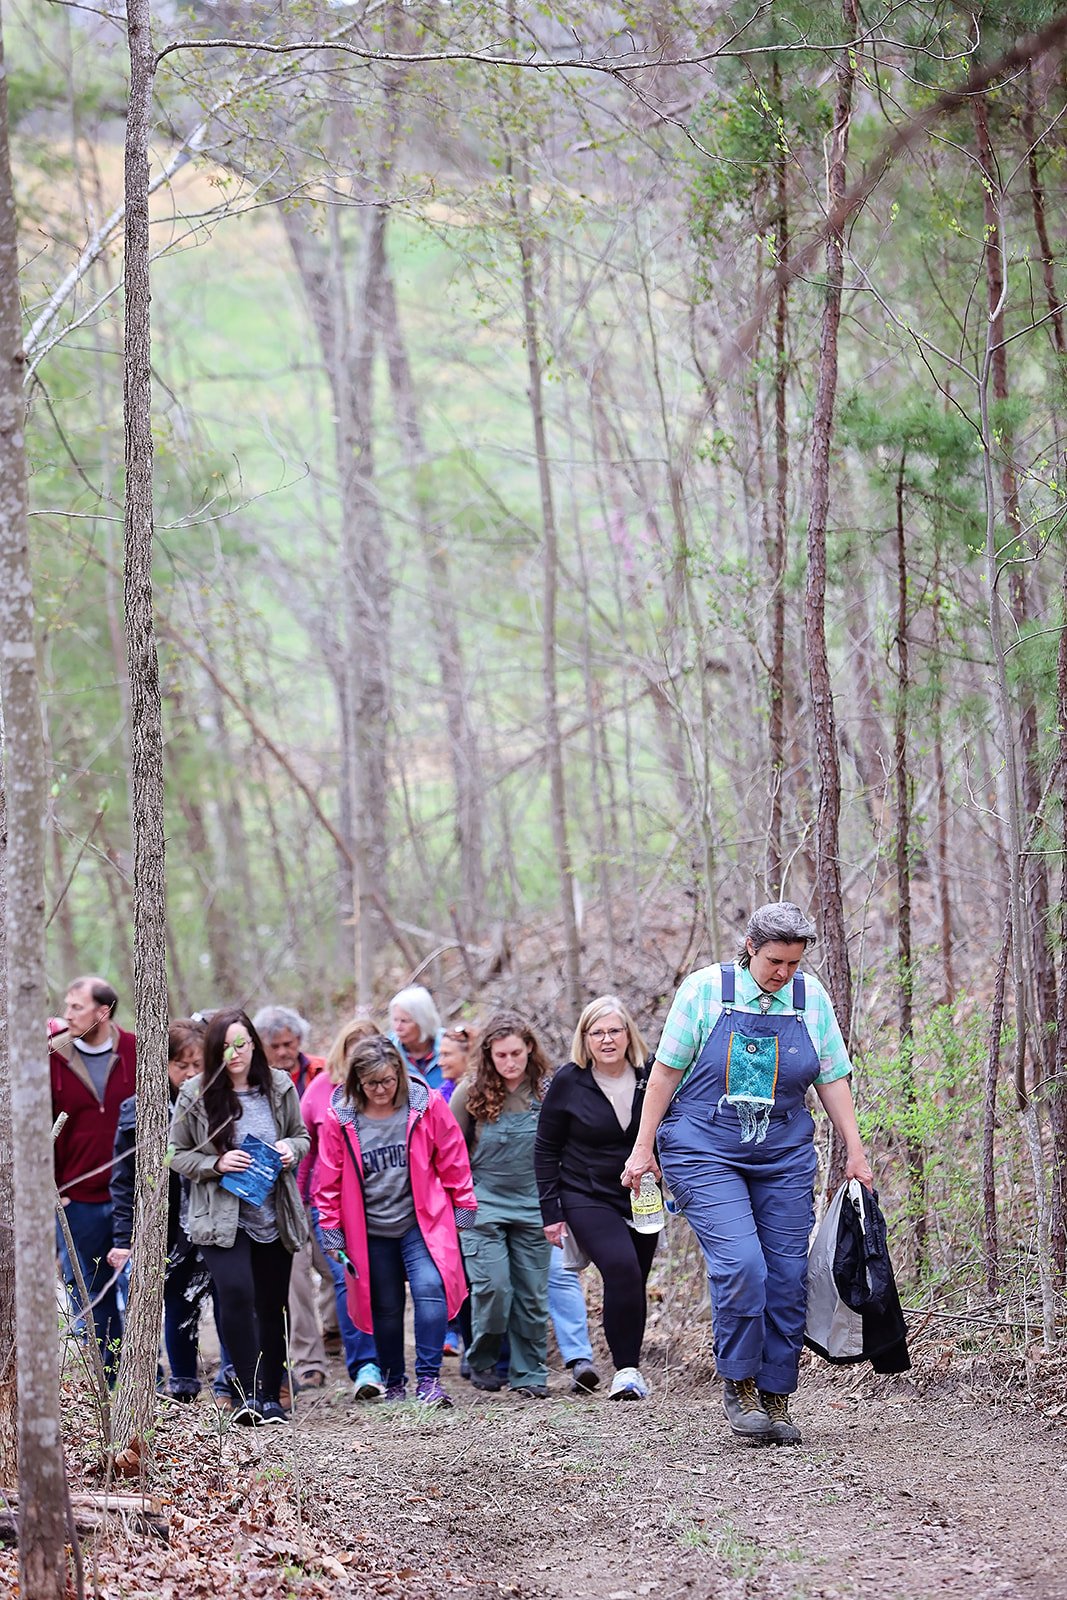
{"x": 742, "y": 139}
{"x": 932, "y": 1098}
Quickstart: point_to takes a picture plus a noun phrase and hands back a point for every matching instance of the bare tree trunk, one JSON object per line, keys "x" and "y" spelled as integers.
{"x": 776, "y": 719}
{"x": 42, "y": 1484}
{"x": 944, "y": 892}
{"x": 347, "y": 329}
{"x": 906, "y": 977}
{"x": 1028, "y": 942}
{"x": 989, "y": 1111}
{"x": 136, "y": 1398}
{"x": 226, "y": 807}
{"x": 9, "y": 1419}
{"x": 1037, "y": 205}
{"x": 519, "y": 198}
{"x": 827, "y": 861}
{"x": 1032, "y": 952}
{"x": 463, "y": 748}
{"x": 1057, "y": 1099}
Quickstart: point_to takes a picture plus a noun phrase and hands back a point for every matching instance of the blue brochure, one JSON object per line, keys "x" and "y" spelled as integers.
{"x": 255, "y": 1183}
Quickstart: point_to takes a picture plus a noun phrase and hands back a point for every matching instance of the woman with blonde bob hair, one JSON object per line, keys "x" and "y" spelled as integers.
{"x": 589, "y": 1118}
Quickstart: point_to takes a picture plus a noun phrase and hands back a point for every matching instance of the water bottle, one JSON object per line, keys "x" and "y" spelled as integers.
{"x": 647, "y": 1206}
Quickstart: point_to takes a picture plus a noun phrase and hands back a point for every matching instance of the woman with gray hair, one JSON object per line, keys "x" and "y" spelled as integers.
{"x": 415, "y": 1029}
{"x": 741, "y": 1046}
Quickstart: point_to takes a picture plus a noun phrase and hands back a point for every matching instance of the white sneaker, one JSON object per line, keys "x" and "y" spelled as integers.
{"x": 628, "y": 1384}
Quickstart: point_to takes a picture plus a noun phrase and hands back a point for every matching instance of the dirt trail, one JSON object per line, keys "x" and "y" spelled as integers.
{"x": 893, "y": 1496}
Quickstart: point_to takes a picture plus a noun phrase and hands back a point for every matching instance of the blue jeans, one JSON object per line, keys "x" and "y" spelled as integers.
{"x": 90, "y": 1230}
{"x": 181, "y": 1319}
{"x": 392, "y": 1261}
{"x": 359, "y": 1347}
{"x": 566, "y": 1307}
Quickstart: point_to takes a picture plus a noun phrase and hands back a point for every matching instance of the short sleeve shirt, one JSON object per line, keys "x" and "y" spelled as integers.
{"x": 697, "y": 1007}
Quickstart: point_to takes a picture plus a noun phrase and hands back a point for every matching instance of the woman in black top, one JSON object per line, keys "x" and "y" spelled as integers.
{"x": 590, "y": 1112}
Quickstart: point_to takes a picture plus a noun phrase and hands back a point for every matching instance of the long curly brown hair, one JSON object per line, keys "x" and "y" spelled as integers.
{"x": 489, "y": 1091}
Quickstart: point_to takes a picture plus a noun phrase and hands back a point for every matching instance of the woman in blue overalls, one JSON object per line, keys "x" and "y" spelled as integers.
{"x": 741, "y": 1046}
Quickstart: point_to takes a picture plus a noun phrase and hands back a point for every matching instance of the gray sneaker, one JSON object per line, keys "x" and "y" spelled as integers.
{"x": 584, "y": 1376}
{"x": 744, "y": 1411}
{"x": 785, "y": 1430}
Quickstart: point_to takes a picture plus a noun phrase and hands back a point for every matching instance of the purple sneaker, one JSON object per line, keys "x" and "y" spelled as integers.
{"x": 430, "y": 1393}
{"x": 397, "y": 1391}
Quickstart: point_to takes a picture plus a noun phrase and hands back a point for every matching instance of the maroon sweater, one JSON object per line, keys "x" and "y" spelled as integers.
{"x": 87, "y": 1142}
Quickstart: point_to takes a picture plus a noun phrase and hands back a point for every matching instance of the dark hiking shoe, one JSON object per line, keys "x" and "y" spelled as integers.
{"x": 584, "y": 1376}
{"x": 744, "y": 1412}
{"x": 273, "y": 1411}
{"x": 489, "y": 1380}
{"x": 248, "y": 1415}
{"x": 785, "y": 1430}
{"x": 532, "y": 1391}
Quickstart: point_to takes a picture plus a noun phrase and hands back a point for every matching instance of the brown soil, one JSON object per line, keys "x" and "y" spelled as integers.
{"x": 894, "y": 1494}
{"x": 949, "y": 1484}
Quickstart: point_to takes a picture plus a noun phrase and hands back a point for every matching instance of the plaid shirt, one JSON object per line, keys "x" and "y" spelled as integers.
{"x": 698, "y": 1006}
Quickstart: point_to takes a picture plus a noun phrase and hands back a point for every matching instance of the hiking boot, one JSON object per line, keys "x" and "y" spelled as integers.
{"x": 628, "y": 1384}
{"x": 367, "y": 1383}
{"x": 428, "y": 1392}
{"x": 785, "y": 1430}
{"x": 744, "y": 1412}
{"x": 584, "y": 1376}
{"x": 532, "y": 1391}
{"x": 489, "y": 1379}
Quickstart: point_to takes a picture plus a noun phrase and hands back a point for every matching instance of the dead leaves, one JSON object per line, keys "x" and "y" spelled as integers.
{"x": 129, "y": 1463}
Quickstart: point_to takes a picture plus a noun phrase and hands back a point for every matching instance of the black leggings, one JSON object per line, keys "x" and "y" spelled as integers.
{"x": 252, "y": 1284}
{"x": 623, "y": 1258}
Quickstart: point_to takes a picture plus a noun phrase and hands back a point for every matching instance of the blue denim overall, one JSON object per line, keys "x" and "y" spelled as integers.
{"x": 737, "y": 1149}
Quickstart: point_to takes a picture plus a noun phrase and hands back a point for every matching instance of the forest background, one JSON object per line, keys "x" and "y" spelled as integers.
{"x": 578, "y": 517}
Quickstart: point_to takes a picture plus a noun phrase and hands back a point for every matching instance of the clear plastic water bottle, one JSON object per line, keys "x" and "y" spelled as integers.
{"x": 647, "y": 1206}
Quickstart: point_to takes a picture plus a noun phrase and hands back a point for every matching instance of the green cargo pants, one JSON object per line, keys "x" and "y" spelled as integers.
{"x": 507, "y": 1266}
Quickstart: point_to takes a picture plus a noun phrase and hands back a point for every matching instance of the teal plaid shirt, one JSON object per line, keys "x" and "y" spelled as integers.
{"x": 698, "y": 1006}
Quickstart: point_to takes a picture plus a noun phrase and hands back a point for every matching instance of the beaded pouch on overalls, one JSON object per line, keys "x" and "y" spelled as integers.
{"x": 751, "y": 1071}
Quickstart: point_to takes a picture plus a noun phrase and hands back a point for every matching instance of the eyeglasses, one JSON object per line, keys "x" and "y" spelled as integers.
{"x": 603, "y": 1034}
{"x": 380, "y": 1083}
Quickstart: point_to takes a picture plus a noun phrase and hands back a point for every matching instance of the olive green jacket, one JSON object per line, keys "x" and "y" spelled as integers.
{"x": 211, "y": 1213}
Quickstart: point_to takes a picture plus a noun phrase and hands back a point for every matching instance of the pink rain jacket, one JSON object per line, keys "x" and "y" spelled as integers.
{"x": 441, "y": 1189}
